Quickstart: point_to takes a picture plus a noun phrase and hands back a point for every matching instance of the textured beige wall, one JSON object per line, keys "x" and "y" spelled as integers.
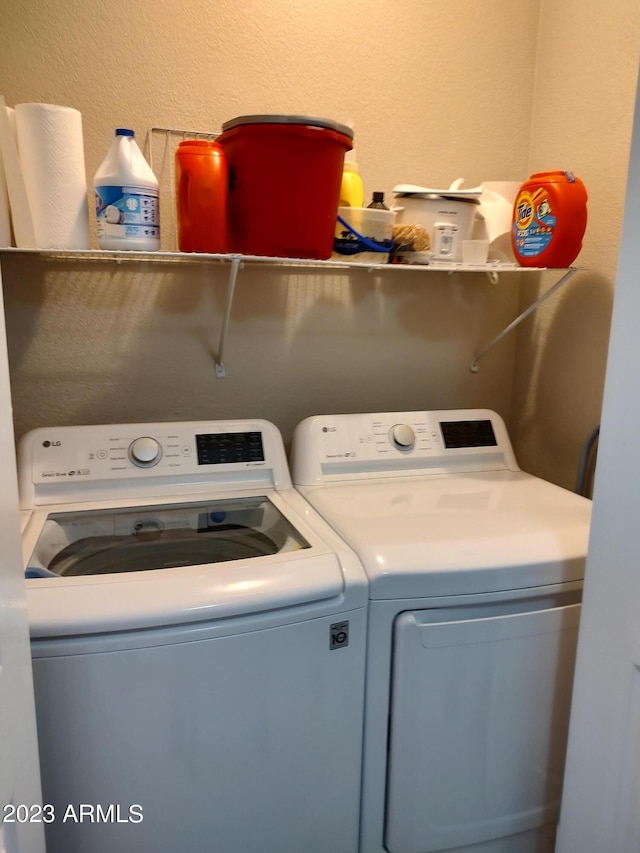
{"x": 586, "y": 70}
{"x": 435, "y": 91}
{"x": 429, "y": 87}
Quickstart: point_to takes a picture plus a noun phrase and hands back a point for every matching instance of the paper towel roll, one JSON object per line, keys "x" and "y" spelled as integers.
{"x": 20, "y": 211}
{"x": 51, "y": 152}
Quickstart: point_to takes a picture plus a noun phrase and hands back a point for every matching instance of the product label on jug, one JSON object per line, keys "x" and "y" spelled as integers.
{"x": 535, "y": 223}
{"x": 127, "y": 212}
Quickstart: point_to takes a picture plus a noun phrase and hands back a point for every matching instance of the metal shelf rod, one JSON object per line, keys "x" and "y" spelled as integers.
{"x": 236, "y": 262}
{"x": 473, "y": 367}
{"x": 185, "y": 134}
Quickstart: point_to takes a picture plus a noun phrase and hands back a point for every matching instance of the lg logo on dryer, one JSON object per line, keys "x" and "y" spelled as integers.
{"x": 51, "y": 443}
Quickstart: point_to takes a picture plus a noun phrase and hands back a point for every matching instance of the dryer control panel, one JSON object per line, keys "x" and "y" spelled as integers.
{"x": 64, "y": 461}
{"x": 353, "y": 446}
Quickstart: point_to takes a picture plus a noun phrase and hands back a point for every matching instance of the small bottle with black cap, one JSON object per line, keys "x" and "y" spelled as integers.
{"x": 378, "y": 201}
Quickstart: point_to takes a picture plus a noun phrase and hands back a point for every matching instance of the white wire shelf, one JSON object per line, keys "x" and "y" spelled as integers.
{"x": 201, "y": 257}
{"x": 492, "y": 269}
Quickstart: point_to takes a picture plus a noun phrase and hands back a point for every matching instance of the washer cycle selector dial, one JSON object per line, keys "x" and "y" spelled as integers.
{"x": 145, "y": 452}
{"x": 402, "y": 436}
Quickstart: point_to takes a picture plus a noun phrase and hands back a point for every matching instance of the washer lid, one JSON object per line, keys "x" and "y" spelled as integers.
{"x": 147, "y": 538}
{"x": 458, "y": 534}
{"x": 119, "y": 567}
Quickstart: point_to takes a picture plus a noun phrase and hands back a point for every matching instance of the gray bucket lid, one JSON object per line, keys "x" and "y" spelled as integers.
{"x": 284, "y": 119}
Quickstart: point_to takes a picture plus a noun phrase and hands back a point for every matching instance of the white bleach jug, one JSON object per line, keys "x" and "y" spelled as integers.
{"x": 127, "y": 198}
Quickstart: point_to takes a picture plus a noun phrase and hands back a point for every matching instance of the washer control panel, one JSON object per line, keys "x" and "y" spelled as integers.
{"x": 360, "y": 444}
{"x": 65, "y": 458}
{"x": 67, "y": 453}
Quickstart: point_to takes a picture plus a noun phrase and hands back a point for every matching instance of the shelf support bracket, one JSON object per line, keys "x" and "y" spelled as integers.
{"x": 231, "y": 287}
{"x": 474, "y": 366}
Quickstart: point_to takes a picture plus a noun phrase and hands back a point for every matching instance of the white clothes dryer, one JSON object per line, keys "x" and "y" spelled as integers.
{"x": 475, "y": 573}
{"x": 198, "y": 642}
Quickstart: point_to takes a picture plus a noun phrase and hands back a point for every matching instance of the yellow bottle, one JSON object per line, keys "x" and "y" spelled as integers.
{"x": 352, "y": 188}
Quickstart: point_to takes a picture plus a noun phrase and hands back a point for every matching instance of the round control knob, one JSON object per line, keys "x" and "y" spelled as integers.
{"x": 402, "y": 436}
{"x": 145, "y": 452}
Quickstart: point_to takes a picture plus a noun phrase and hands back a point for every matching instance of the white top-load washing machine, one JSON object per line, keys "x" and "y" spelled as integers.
{"x": 475, "y": 573}
{"x": 198, "y": 643}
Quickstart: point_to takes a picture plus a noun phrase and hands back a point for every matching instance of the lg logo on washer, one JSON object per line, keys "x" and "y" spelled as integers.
{"x": 51, "y": 443}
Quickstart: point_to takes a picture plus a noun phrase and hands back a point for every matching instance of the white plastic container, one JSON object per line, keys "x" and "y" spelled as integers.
{"x": 127, "y": 198}
{"x": 363, "y": 235}
{"x": 449, "y": 221}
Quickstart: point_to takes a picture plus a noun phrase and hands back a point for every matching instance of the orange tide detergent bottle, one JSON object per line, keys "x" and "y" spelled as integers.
{"x": 549, "y": 220}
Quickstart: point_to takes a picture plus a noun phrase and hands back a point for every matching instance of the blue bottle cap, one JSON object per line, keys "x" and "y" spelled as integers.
{"x": 124, "y": 131}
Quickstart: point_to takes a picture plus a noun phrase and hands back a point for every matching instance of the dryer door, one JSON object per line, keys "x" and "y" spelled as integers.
{"x": 478, "y": 727}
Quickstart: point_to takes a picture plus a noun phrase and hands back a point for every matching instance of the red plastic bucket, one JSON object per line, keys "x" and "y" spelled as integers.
{"x": 284, "y": 184}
